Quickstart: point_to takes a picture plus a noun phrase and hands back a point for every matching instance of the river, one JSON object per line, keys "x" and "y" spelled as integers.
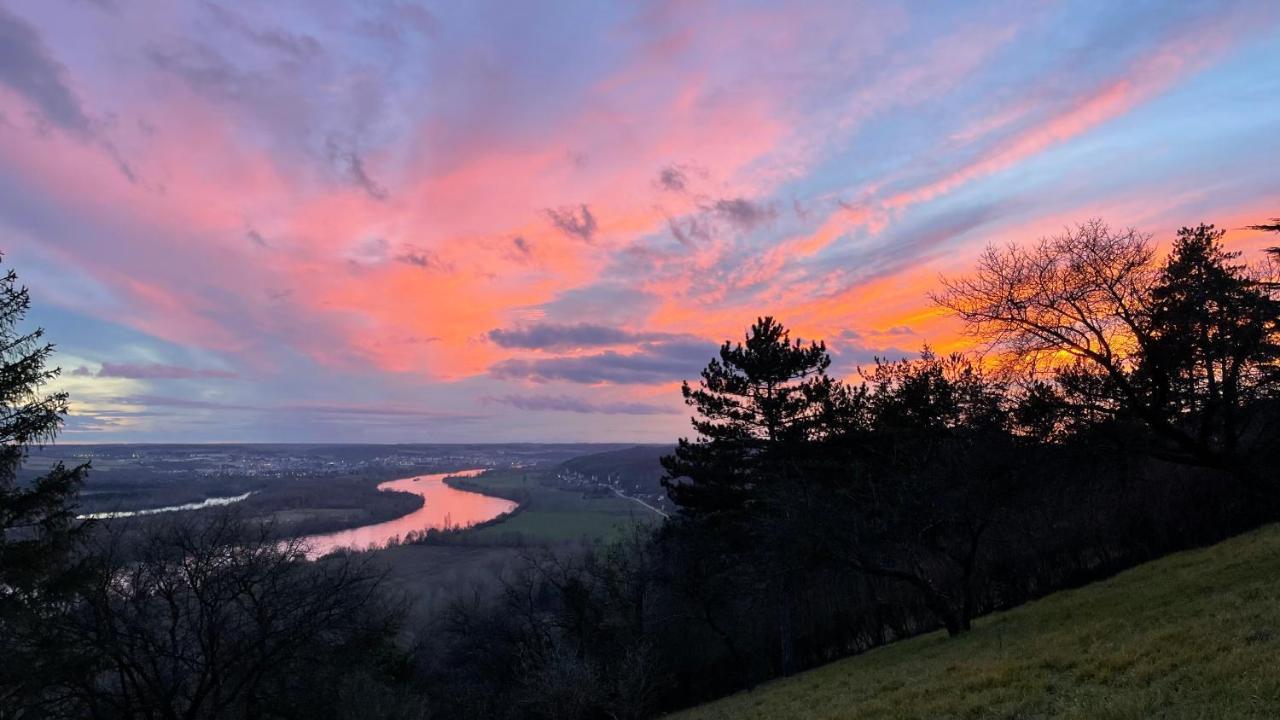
{"x": 206, "y": 503}
{"x": 442, "y": 506}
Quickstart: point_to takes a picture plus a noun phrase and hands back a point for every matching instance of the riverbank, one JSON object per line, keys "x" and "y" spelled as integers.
{"x": 295, "y": 506}
{"x": 442, "y": 507}
{"x": 546, "y": 514}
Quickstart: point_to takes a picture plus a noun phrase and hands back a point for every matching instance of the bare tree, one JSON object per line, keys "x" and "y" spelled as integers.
{"x": 1093, "y": 309}
{"x": 1082, "y": 294}
{"x": 211, "y": 619}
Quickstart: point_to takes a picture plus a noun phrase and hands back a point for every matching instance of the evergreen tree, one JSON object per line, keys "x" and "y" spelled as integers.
{"x": 39, "y": 532}
{"x": 759, "y": 405}
{"x": 1213, "y": 349}
{"x": 1273, "y": 226}
{"x": 765, "y": 408}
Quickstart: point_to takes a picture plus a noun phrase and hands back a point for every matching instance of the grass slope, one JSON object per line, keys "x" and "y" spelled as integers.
{"x": 1192, "y": 635}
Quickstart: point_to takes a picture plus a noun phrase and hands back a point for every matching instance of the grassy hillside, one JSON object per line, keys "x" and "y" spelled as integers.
{"x": 1193, "y": 635}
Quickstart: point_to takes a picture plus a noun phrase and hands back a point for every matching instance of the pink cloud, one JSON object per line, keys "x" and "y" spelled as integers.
{"x": 235, "y": 240}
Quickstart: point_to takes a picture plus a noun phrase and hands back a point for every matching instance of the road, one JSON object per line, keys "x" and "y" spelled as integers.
{"x": 619, "y": 493}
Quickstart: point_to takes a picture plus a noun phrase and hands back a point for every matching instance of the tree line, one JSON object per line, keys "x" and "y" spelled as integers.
{"x": 1123, "y": 406}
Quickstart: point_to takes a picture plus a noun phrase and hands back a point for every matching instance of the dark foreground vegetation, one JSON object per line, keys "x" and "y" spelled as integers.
{"x": 1126, "y": 409}
{"x": 1192, "y": 635}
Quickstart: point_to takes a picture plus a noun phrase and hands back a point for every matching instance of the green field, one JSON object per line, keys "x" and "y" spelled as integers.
{"x": 549, "y": 514}
{"x": 1193, "y": 635}
{"x": 431, "y": 575}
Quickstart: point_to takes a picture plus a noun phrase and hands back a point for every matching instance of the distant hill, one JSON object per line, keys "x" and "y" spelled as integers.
{"x": 1192, "y": 635}
{"x": 634, "y": 470}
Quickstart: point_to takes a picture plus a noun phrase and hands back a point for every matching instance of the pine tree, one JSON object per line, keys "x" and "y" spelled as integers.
{"x": 764, "y": 408}
{"x": 1214, "y": 345}
{"x": 39, "y": 533}
{"x": 1273, "y": 226}
{"x": 759, "y": 405}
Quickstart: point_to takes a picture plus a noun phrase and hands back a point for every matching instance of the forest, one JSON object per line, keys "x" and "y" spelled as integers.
{"x": 1120, "y": 403}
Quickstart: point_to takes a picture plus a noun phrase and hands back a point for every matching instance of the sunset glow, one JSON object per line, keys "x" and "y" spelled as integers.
{"x": 392, "y": 222}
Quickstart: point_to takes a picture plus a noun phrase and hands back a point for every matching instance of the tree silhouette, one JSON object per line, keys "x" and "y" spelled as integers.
{"x": 38, "y": 529}
{"x": 757, "y": 403}
{"x": 1273, "y": 226}
{"x": 213, "y": 616}
{"x": 1213, "y": 347}
{"x": 1123, "y": 335}
{"x": 933, "y": 474}
{"x": 764, "y": 406}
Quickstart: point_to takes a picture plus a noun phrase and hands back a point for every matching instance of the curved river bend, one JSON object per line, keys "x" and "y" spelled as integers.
{"x": 442, "y": 506}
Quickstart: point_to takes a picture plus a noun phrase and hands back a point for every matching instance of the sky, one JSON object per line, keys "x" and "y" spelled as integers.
{"x": 513, "y": 221}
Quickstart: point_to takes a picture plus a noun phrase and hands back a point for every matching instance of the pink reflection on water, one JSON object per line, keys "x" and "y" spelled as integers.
{"x": 443, "y": 506}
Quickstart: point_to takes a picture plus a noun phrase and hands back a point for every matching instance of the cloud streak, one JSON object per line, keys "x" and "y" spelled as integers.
{"x": 551, "y": 336}
{"x": 153, "y": 371}
{"x": 570, "y": 404}
{"x": 651, "y": 363}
